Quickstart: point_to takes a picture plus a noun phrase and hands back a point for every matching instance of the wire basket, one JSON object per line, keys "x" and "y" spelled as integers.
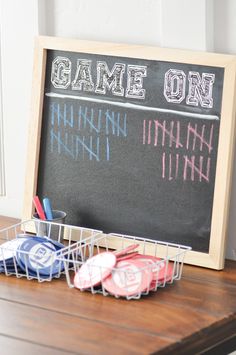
{"x": 129, "y": 282}
{"x": 32, "y": 248}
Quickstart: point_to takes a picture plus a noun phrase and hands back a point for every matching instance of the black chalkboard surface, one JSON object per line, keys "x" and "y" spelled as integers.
{"x": 130, "y": 145}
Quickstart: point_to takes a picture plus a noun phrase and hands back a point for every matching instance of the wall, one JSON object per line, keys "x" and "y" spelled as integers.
{"x": 19, "y": 25}
{"x": 225, "y": 42}
{"x": 210, "y": 24}
{"x": 225, "y": 26}
{"x": 133, "y": 21}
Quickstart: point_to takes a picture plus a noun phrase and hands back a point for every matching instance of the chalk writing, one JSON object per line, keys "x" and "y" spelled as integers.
{"x": 82, "y": 132}
{"x": 191, "y": 168}
{"x": 200, "y": 136}
{"x": 174, "y": 85}
{"x": 74, "y": 146}
{"x": 61, "y": 72}
{"x": 83, "y": 77}
{"x": 200, "y": 89}
{"x": 165, "y": 135}
{"x": 106, "y": 79}
{"x": 196, "y": 169}
{"x": 83, "y": 118}
{"x": 170, "y": 133}
{"x": 96, "y": 77}
{"x": 170, "y": 166}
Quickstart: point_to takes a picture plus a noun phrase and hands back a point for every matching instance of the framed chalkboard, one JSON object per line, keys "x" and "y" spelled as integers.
{"x": 135, "y": 140}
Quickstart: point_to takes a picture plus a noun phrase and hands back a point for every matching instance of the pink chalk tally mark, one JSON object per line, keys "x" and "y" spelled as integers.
{"x": 176, "y": 165}
{"x": 194, "y": 169}
{"x": 177, "y": 143}
{"x": 171, "y": 133}
{"x": 163, "y": 165}
{"x": 156, "y": 133}
{"x": 173, "y": 166}
{"x": 168, "y": 133}
{"x": 194, "y": 138}
{"x": 170, "y": 167}
{"x": 201, "y": 137}
{"x": 185, "y": 169}
{"x": 187, "y": 141}
{"x": 144, "y": 131}
{"x": 208, "y": 168}
{"x": 149, "y": 131}
{"x": 163, "y": 132}
{"x": 200, "y": 167}
{"x": 210, "y": 140}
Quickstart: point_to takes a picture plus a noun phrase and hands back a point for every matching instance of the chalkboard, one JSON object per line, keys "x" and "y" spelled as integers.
{"x": 130, "y": 144}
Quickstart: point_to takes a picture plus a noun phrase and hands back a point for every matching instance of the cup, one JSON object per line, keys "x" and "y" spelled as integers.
{"x": 51, "y": 228}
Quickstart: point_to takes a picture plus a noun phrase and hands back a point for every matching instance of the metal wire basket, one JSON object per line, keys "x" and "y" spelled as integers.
{"x": 167, "y": 265}
{"x": 38, "y": 261}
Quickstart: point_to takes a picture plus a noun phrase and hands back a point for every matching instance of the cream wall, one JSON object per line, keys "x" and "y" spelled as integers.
{"x": 210, "y": 24}
{"x": 19, "y": 25}
{"x": 129, "y": 21}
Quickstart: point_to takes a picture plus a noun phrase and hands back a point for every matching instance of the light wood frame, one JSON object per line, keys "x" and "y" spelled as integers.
{"x": 215, "y": 258}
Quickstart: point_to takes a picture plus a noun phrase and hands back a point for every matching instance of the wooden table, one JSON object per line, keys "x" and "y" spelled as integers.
{"x": 193, "y": 314}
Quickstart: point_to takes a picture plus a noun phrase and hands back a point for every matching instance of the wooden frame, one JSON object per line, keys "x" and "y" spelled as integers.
{"x": 215, "y": 257}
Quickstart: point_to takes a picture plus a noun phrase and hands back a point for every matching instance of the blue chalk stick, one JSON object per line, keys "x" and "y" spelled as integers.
{"x": 47, "y": 208}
